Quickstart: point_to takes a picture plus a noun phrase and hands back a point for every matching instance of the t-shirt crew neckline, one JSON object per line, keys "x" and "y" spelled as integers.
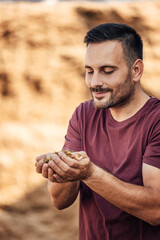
{"x": 141, "y": 110}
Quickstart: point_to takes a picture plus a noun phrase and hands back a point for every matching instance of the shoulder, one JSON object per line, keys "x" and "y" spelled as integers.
{"x": 154, "y": 103}
{"x": 153, "y": 108}
{"x": 152, "y": 117}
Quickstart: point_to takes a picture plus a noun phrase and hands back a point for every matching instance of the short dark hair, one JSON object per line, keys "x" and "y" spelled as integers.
{"x": 131, "y": 41}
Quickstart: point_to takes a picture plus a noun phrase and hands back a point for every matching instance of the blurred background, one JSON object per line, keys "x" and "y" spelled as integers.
{"x": 41, "y": 83}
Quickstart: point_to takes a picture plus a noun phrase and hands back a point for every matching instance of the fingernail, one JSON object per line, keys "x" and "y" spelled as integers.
{"x": 45, "y": 165}
{"x": 53, "y": 156}
{"x": 60, "y": 153}
{"x": 39, "y": 164}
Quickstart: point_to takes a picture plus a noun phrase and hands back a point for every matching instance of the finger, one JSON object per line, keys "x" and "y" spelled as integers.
{"x": 56, "y": 168}
{"x": 79, "y": 155}
{"x": 68, "y": 160}
{"x": 40, "y": 157}
{"x": 50, "y": 175}
{"x": 58, "y": 161}
{"x": 45, "y": 170}
{"x": 58, "y": 178}
{"x": 83, "y": 153}
{"x": 67, "y": 174}
{"x": 44, "y": 156}
{"x": 39, "y": 166}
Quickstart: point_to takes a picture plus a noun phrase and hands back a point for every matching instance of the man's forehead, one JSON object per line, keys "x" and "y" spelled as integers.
{"x": 108, "y": 52}
{"x": 108, "y": 45}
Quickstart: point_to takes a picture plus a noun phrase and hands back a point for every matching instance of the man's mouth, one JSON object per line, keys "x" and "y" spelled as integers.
{"x": 98, "y": 89}
{"x": 99, "y": 95}
{"x": 99, "y": 92}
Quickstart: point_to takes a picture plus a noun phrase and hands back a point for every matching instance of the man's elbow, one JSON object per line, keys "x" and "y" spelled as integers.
{"x": 60, "y": 205}
{"x": 154, "y": 220}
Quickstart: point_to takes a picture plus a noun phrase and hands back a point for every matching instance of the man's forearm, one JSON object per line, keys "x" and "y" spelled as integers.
{"x": 137, "y": 200}
{"x": 63, "y": 194}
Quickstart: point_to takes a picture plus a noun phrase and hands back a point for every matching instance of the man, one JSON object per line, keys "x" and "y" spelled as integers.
{"x": 117, "y": 134}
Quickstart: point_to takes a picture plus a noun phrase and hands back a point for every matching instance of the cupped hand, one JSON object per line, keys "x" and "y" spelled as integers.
{"x": 63, "y": 168}
{"x": 71, "y": 168}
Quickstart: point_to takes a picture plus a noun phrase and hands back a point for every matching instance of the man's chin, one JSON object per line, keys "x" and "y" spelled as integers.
{"x": 100, "y": 104}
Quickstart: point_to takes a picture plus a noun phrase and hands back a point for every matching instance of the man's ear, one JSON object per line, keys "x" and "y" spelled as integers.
{"x": 137, "y": 70}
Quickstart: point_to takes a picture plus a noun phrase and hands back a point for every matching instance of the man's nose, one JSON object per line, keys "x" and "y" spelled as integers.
{"x": 96, "y": 80}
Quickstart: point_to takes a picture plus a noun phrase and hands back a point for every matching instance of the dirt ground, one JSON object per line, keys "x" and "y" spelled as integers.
{"x": 41, "y": 83}
{"x": 33, "y": 217}
{"x": 26, "y": 211}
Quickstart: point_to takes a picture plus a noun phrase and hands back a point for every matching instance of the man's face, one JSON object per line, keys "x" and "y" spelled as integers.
{"x": 107, "y": 75}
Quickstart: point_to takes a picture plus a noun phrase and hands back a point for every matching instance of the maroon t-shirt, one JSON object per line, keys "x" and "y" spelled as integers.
{"x": 120, "y": 148}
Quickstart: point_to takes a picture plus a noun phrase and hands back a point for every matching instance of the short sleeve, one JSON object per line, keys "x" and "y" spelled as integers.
{"x": 73, "y": 136}
{"x": 152, "y": 153}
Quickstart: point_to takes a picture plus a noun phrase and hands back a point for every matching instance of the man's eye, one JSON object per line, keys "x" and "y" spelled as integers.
{"x": 108, "y": 72}
{"x": 90, "y": 72}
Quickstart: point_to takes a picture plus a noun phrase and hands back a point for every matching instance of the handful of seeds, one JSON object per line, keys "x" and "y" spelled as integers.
{"x": 69, "y": 153}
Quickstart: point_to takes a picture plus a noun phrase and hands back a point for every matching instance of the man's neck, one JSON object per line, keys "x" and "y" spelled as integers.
{"x": 122, "y": 113}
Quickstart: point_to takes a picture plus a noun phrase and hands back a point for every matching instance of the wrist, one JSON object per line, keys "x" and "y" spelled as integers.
{"x": 93, "y": 171}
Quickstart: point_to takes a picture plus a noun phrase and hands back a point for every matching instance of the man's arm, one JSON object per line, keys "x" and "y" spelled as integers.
{"x": 62, "y": 194}
{"x": 140, "y": 201}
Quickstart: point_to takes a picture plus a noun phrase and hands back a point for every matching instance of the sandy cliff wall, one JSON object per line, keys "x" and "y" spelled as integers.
{"x": 42, "y": 53}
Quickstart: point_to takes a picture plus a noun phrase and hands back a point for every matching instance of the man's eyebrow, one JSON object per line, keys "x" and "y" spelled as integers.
{"x": 86, "y": 66}
{"x": 108, "y": 66}
{"x": 102, "y": 67}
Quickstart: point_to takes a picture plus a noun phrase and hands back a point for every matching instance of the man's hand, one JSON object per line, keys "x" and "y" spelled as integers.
{"x": 56, "y": 170}
{"x": 62, "y": 168}
{"x": 41, "y": 165}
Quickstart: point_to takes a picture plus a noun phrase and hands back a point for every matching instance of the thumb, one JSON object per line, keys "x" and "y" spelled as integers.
{"x": 79, "y": 155}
